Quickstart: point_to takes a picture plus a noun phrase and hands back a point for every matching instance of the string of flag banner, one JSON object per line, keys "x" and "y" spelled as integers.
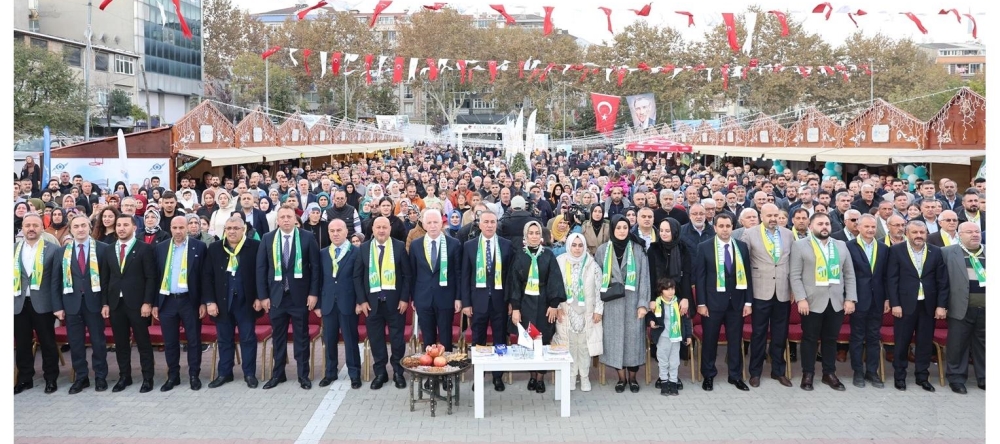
{"x": 402, "y": 68}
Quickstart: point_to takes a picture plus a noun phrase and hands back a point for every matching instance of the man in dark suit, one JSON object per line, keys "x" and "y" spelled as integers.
{"x": 79, "y": 303}
{"x": 850, "y": 230}
{"x": 970, "y": 211}
{"x": 435, "y": 264}
{"x": 338, "y": 304}
{"x": 966, "y": 308}
{"x": 230, "y": 296}
{"x": 306, "y": 197}
{"x": 482, "y": 294}
{"x": 36, "y": 285}
{"x": 948, "y": 232}
{"x": 129, "y": 301}
{"x": 382, "y": 285}
{"x": 288, "y": 285}
{"x": 917, "y": 279}
{"x": 723, "y": 300}
{"x": 870, "y": 260}
{"x": 256, "y": 218}
{"x": 179, "y": 261}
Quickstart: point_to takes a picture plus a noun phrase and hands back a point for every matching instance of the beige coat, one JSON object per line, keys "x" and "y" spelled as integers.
{"x": 769, "y": 278}
{"x": 592, "y": 296}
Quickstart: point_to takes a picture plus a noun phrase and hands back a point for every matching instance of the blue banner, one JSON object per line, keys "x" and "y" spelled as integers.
{"x": 46, "y": 165}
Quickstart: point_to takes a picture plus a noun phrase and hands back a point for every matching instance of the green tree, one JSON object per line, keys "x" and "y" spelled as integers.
{"x": 519, "y": 164}
{"x": 978, "y": 84}
{"x": 118, "y": 105}
{"x": 248, "y": 84}
{"x": 228, "y": 32}
{"x": 46, "y": 92}
{"x": 382, "y": 101}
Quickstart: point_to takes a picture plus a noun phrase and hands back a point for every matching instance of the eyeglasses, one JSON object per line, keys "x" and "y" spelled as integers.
{"x": 949, "y": 220}
{"x": 852, "y": 220}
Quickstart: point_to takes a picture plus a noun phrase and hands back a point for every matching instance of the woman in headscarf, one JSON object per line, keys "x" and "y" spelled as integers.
{"x": 217, "y": 224}
{"x": 312, "y": 221}
{"x": 104, "y": 225}
{"x": 121, "y": 187}
{"x": 270, "y": 213}
{"x": 393, "y": 191}
{"x": 534, "y": 290}
{"x": 578, "y": 324}
{"x": 58, "y": 225}
{"x": 561, "y": 228}
{"x": 376, "y": 192}
{"x": 454, "y": 223}
{"x": 324, "y": 203}
{"x": 668, "y": 258}
{"x": 140, "y": 205}
{"x": 623, "y": 262}
{"x": 197, "y": 229}
{"x": 384, "y": 209}
{"x": 555, "y": 197}
{"x": 596, "y": 230}
{"x": 630, "y": 215}
{"x": 353, "y": 196}
{"x": 365, "y": 210}
{"x": 20, "y": 210}
{"x": 151, "y": 233}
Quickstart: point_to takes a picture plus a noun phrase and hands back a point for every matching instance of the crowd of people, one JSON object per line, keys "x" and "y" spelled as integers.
{"x": 599, "y": 250}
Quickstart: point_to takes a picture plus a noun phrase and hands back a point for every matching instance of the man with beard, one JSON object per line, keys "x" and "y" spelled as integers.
{"x": 970, "y": 211}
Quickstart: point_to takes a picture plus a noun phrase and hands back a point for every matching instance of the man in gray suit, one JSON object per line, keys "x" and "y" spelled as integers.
{"x": 770, "y": 250}
{"x": 36, "y": 272}
{"x": 823, "y": 283}
{"x": 966, "y": 307}
{"x": 882, "y": 219}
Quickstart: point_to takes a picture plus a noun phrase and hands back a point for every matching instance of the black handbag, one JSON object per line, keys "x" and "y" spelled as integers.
{"x": 616, "y": 290}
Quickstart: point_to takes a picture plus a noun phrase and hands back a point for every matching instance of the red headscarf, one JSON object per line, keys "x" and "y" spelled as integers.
{"x": 140, "y": 206}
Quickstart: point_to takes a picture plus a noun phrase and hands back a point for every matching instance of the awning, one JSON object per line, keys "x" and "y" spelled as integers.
{"x": 379, "y": 146}
{"x": 730, "y": 151}
{"x": 311, "y": 150}
{"x": 794, "y": 153}
{"x": 864, "y": 156}
{"x": 226, "y": 156}
{"x": 954, "y": 157}
{"x": 274, "y": 153}
{"x": 341, "y": 148}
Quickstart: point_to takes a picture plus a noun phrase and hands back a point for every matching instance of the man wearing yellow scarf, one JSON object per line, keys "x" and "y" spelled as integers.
{"x": 823, "y": 283}
{"x": 870, "y": 259}
{"x": 36, "y": 283}
{"x": 180, "y": 263}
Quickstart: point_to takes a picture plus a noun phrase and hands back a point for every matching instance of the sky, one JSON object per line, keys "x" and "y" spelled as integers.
{"x": 582, "y": 18}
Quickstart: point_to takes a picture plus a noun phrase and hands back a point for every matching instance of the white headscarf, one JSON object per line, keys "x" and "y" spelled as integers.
{"x": 569, "y": 253}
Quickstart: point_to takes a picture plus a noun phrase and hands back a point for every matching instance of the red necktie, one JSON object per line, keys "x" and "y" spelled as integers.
{"x": 82, "y": 260}
{"x": 121, "y": 255}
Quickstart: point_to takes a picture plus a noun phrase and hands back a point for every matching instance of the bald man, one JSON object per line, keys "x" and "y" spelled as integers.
{"x": 948, "y": 233}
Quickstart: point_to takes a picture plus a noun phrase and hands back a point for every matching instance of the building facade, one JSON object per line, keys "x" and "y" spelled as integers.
{"x": 962, "y": 59}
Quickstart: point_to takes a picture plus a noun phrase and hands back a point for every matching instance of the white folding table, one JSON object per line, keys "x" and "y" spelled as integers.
{"x": 558, "y": 363}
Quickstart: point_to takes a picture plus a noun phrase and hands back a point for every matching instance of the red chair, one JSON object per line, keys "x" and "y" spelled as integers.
{"x": 263, "y": 331}
{"x": 62, "y": 338}
{"x": 314, "y": 330}
{"x": 794, "y": 337}
{"x": 940, "y": 342}
{"x": 698, "y": 334}
{"x": 888, "y": 337}
{"x": 844, "y": 337}
{"x": 209, "y": 335}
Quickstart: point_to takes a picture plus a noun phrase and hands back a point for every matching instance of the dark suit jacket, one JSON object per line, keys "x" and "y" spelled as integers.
{"x": 955, "y": 206}
{"x": 902, "y": 281}
{"x": 704, "y": 272}
{"x": 259, "y": 221}
{"x": 215, "y": 288}
{"x": 71, "y": 302}
{"x": 870, "y": 284}
{"x": 841, "y": 235}
{"x": 963, "y": 218}
{"x": 427, "y": 289}
{"x": 195, "y": 256}
{"x": 478, "y": 298}
{"x": 299, "y": 289}
{"x": 338, "y": 291}
{"x": 937, "y": 239}
{"x": 392, "y": 297}
{"x": 137, "y": 282}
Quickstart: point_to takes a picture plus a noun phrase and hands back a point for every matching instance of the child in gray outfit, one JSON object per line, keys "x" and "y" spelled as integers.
{"x": 671, "y": 331}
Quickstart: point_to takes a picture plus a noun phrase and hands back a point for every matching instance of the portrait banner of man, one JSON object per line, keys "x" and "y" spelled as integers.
{"x": 643, "y": 109}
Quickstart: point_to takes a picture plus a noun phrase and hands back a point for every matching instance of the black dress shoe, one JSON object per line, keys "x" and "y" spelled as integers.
{"x": 427, "y": 384}
{"x": 633, "y": 387}
{"x": 926, "y": 385}
{"x": 305, "y": 383}
{"x": 400, "y": 380}
{"x": 620, "y": 387}
{"x": 680, "y": 385}
{"x": 982, "y": 384}
{"x": 147, "y": 385}
{"x": 807, "y": 382}
{"x": 739, "y": 384}
{"x": 79, "y": 385}
{"x": 327, "y": 381}
{"x": 707, "y": 385}
{"x": 498, "y": 384}
{"x": 540, "y": 386}
{"x": 195, "y": 383}
{"x": 122, "y": 384}
{"x": 833, "y": 381}
{"x": 170, "y": 384}
{"x": 379, "y": 381}
{"x": 859, "y": 380}
{"x": 251, "y": 381}
{"x": 659, "y": 384}
{"x": 218, "y": 382}
{"x": 873, "y": 379}
{"x": 50, "y": 387}
{"x": 532, "y": 383}
{"x": 22, "y": 386}
{"x": 355, "y": 384}
{"x": 100, "y": 384}
{"x": 958, "y": 388}
{"x": 274, "y": 381}
{"x": 900, "y": 385}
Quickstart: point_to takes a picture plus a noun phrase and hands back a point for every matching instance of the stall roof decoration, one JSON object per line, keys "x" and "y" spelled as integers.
{"x": 204, "y": 127}
{"x": 256, "y": 130}
{"x": 293, "y": 131}
{"x": 659, "y": 145}
{"x": 959, "y": 126}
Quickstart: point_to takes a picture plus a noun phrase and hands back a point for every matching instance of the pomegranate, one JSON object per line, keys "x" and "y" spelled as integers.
{"x": 435, "y": 350}
{"x": 426, "y": 360}
{"x": 440, "y": 361}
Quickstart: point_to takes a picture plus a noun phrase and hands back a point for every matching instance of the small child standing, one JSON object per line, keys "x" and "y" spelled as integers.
{"x": 673, "y": 332}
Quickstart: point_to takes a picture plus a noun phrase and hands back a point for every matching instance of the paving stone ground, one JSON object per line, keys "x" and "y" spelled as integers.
{"x": 236, "y": 414}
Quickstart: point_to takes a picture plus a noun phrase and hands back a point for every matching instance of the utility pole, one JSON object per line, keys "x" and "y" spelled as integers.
{"x": 267, "y": 81}
{"x": 345, "y": 96}
{"x": 871, "y": 87}
{"x": 145, "y": 85}
{"x": 86, "y": 76}
{"x": 564, "y": 111}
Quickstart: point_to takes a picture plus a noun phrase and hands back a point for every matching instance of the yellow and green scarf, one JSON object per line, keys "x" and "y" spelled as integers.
{"x": 574, "y": 282}
{"x": 442, "y": 258}
{"x": 827, "y": 262}
{"x": 335, "y": 258}
{"x": 873, "y": 256}
{"x": 481, "y": 265}
{"x": 920, "y": 269}
{"x": 381, "y": 276}
{"x": 276, "y": 255}
{"x": 234, "y": 262}
{"x": 674, "y": 327}
{"x": 36, "y": 274}
{"x": 720, "y": 267}
{"x": 532, "y": 286}
{"x": 67, "y": 262}
{"x": 182, "y": 279}
{"x": 630, "y": 273}
{"x": 976, "y": 265}
{"x": 773, "y": 248}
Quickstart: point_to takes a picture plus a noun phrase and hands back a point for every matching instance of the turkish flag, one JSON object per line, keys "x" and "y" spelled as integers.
{"x": 368, "y": 68}
{"x": 381, "y": 6}
{"x": 335, "y": 63}
{"x": 605, "y": 111}
{"x": 493, "y": 70}
{"x": 397, "y": 70}
{"x": 432, "y": 70}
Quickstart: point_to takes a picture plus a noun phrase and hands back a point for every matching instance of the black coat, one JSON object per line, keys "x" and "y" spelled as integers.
{"x": 299, "y": 289}
{"x": 704, "y": 271}
{"x": 197, "y": 251}
{"x": 137, "y": 283}
{"x": 216, "y": 278}
{"x": 659, "y": 261}
{"x": 72, "y": 302}
{"x": 871, "y": 284}
{"x": 551, "y": 290}
{"x": 903, "y": 282}
{"x": 403, "y": 286}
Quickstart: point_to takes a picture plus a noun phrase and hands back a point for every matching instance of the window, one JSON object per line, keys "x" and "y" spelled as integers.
{"x": 407, "y": 92}
{"x": 390, "y": 36}
{"x": 386, "y": 20}
{"x": 101, "y": 61}
{"x": 124, "y": 64}
{"x": 408, "y": 109}
{"x": 33, "y": 25}
{"x": 102, "y": 97}
{"x": 39, "y": 43}
{"x": 479, "y": 103}
{"x": 72, "y": 55}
